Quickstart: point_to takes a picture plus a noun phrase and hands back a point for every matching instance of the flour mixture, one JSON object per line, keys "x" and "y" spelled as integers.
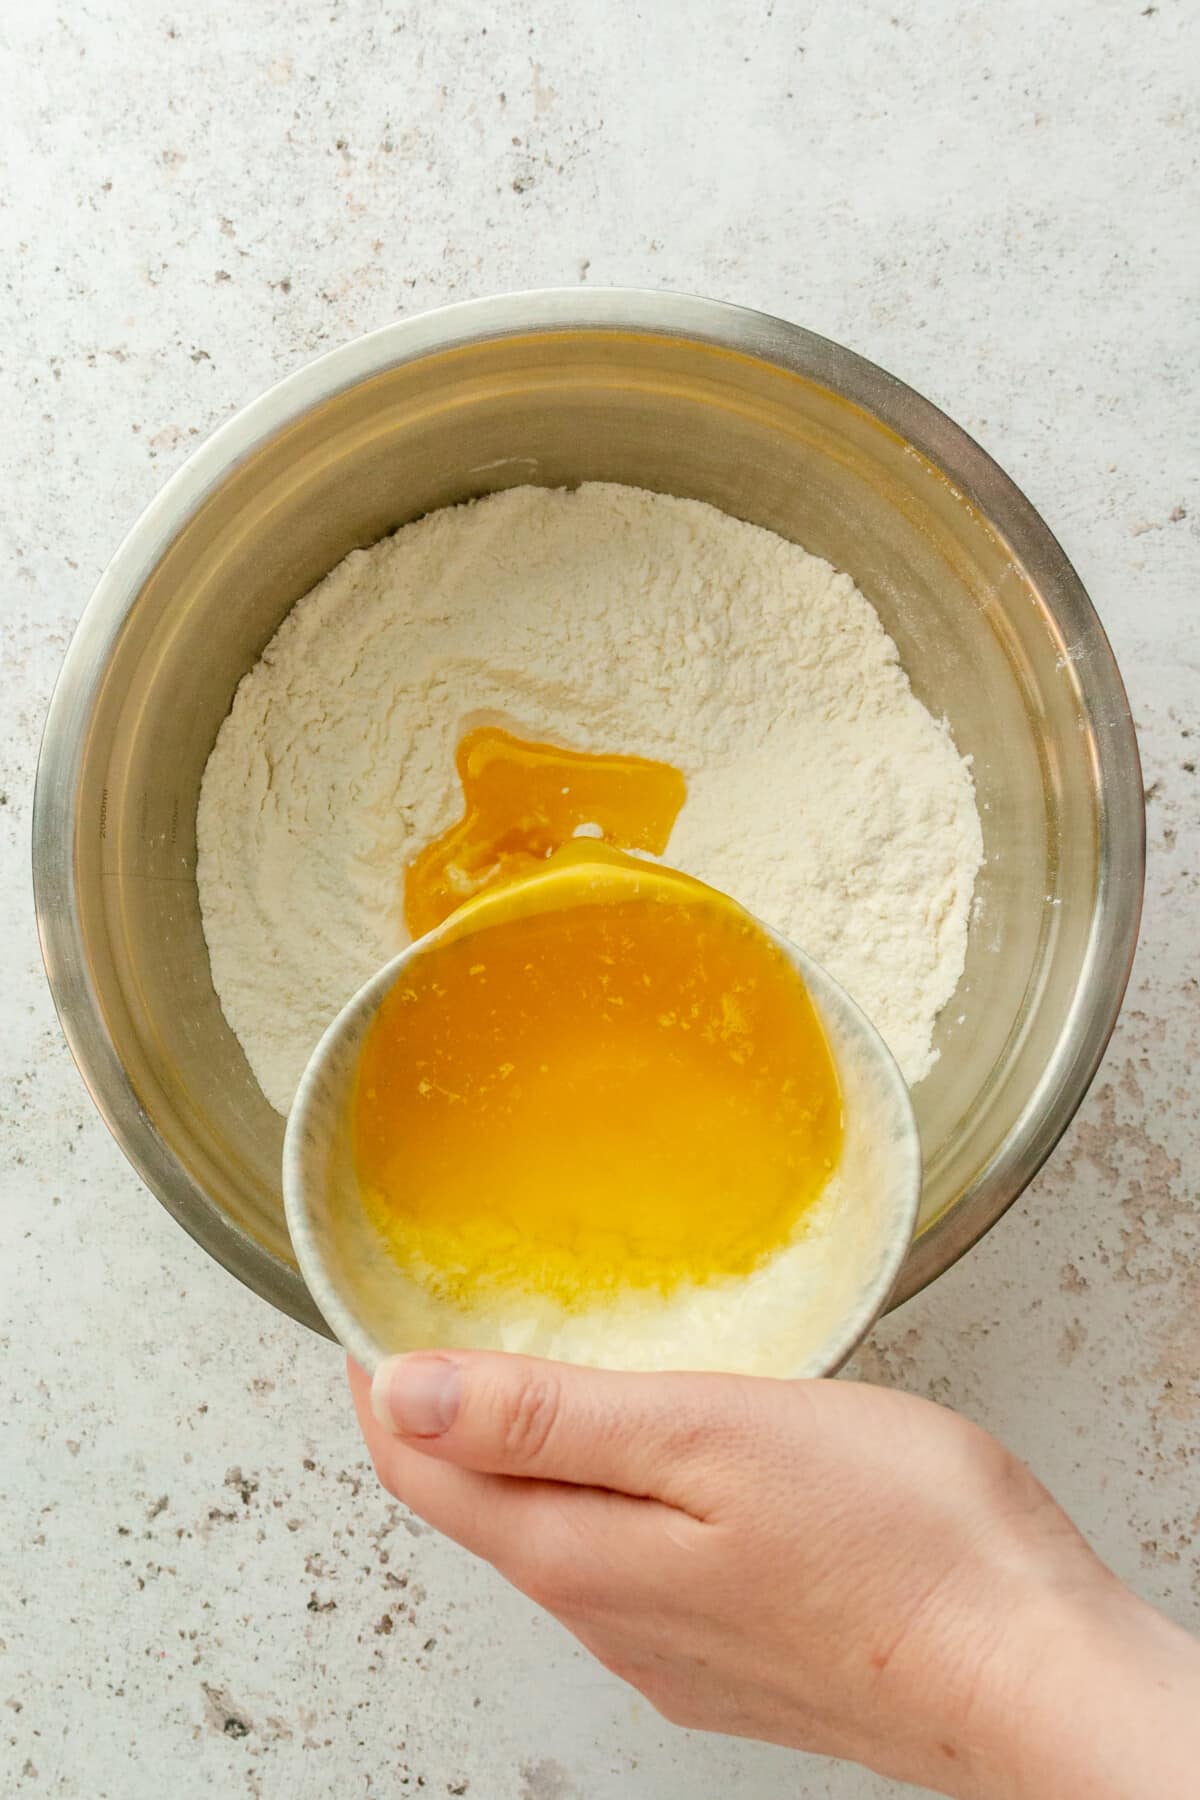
{"x": 821, "y": 793}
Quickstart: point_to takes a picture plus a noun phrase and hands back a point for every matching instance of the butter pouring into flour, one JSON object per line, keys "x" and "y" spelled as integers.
{"x": 821, "y": 793}
{"x": 521, "y": 803}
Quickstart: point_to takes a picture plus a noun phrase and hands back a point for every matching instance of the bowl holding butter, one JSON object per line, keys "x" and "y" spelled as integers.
{"x": 600, "y": 1113}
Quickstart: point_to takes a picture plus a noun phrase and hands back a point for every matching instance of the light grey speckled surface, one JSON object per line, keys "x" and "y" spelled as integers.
{"x": 202, "y": 1591}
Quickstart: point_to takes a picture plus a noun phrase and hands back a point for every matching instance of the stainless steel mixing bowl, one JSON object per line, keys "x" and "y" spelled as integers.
{"x": 684, "y": 395}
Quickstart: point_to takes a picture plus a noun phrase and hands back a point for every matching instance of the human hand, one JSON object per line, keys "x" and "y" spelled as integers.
{"x": 826, "y": 1565}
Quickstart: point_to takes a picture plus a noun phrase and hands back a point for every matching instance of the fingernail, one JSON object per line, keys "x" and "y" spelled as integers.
{"x": 417, "y": 1395}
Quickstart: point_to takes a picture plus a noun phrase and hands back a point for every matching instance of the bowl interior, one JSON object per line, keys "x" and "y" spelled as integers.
{"x": 976, "y": 632}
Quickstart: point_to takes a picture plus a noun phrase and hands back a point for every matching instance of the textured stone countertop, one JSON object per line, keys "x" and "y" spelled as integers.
{"x": 202, "y": 1590}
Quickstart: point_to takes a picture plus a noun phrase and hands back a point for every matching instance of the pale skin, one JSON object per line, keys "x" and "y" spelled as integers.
{"x": 826, "y": 1565}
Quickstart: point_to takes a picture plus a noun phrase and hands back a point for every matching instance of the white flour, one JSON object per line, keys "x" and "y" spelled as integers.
{"x": 821, "y": 794}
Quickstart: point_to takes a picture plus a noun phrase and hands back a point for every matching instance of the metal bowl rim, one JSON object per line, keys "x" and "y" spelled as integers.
{"x": 1112, "y": 942}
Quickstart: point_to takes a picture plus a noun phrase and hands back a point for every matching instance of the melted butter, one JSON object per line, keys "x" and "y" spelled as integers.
{"x": 601, "y": 1078}
{"x": 523, "y": 801}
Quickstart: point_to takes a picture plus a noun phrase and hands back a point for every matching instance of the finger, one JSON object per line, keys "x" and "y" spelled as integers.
{"x": 647, "y": 1435}
{"x": 564, "y": 1546}
{"x": 477, "y": 1511}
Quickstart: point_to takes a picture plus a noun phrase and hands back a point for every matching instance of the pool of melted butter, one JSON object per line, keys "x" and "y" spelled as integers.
{"x": 608, "y": 1083}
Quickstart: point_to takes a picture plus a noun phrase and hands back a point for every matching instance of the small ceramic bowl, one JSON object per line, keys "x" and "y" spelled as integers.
{"x": 851, "y": 1253}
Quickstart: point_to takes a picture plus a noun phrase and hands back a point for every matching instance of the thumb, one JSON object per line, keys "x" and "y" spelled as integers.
{"x": 649, "y": 1435}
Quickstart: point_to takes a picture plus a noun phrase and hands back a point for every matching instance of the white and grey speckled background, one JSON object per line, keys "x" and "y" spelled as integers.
{"x": 202, "y": 1591}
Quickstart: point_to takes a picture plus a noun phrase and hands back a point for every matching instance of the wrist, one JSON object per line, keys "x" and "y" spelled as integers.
{"x": 1093, "y": 1693}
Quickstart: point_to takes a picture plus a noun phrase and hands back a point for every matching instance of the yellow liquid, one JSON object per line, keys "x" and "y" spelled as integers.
{"x": 607, "y": 1078}
{"x": 521, "y": 802}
